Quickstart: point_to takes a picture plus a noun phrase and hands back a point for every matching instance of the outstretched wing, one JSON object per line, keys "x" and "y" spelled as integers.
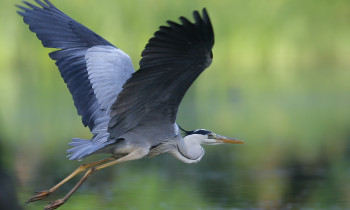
{"x": 93, "y": 69}
{"x": 170, "y": 63}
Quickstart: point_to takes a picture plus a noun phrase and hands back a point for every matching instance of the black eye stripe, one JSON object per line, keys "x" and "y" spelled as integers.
{"x": 201, "y": 131}
{"x": 198, "y": 131}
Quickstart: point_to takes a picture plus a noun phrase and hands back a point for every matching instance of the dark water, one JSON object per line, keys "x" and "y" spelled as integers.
{"x": 164, "y": 183}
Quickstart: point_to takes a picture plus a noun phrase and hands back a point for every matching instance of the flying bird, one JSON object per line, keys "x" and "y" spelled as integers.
{"x": 131, "y": 114}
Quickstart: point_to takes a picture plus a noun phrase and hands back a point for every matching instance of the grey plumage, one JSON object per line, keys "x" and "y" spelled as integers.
{"x": 93, "y": 69}
{"x": 130, "y": 114}
{"x": 171, "y": 61}
{"x": 96, "y": 72}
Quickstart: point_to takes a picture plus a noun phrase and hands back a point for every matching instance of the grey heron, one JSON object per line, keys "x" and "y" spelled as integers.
{"x": 131, "y": 114}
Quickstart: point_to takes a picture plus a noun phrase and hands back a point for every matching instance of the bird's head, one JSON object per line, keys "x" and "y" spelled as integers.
{"x": 206, "y": 137}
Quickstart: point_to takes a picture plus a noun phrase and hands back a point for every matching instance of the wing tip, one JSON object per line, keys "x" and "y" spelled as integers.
{"x": 201, "y": 17}
{"x": 205, "y": 15}
{"x": 28, "y": 7}
{"x": 175, "y": 35}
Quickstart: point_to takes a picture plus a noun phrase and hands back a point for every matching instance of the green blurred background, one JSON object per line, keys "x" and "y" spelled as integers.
{"x": 280, "y": 80}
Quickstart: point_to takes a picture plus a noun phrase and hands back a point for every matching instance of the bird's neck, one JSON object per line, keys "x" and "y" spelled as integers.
{"x": 188, "y": 150}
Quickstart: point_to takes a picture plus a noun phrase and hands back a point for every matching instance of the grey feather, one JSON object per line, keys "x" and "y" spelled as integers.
{"x": 108, "y": 69}
{"x": 93, "y": 69}
{"x": 170, "y": 63}
{"x": 114, "y": 102}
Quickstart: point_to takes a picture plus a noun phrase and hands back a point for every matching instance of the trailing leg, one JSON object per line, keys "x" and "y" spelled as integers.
{"x": 42, "y": 194}
{"x": 137, "y": 154}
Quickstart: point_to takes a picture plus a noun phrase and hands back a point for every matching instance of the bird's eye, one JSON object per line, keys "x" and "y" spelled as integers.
{"x": 210, "y": 136}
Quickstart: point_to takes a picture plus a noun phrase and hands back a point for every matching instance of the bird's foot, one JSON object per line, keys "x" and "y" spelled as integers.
{"x": 54, "y": 204}
{"x": 39, "y": 195}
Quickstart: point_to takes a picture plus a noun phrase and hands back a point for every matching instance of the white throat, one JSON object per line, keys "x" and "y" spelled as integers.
{"x": 189, "y": 149}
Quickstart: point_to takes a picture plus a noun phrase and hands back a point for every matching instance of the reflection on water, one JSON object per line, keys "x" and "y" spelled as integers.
{"x": 163, "y": 183}
{"x": 8, "y": 198}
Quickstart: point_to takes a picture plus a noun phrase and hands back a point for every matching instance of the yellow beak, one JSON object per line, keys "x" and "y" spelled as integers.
{"x": 228, "y": 140}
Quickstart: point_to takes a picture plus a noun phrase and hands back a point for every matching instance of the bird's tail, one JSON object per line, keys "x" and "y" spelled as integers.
{"x": 82, "y": 148}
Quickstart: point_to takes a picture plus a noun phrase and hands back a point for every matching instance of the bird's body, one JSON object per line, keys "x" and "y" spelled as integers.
{"x": 167, "y": 140}
{"x": 130, "y": 114}
{"x": 141, "y": 137}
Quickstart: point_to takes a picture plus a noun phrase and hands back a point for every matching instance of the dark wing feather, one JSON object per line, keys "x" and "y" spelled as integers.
{"x": 170, "y": 63}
